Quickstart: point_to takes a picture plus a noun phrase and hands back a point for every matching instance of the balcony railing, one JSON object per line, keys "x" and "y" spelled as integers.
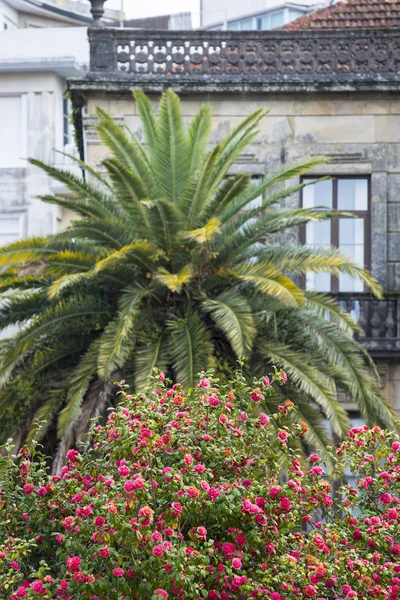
{"x": 379, "y": 321}
{"x": 284, "y": 60}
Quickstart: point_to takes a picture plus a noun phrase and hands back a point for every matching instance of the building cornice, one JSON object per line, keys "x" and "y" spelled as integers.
{"x": 251, "y": 61}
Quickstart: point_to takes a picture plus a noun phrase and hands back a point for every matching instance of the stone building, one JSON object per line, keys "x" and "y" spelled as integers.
{"x": 331, "y": 89}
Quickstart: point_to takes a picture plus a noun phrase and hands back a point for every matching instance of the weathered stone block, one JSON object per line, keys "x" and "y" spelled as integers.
{"x": 394, "y": 247}
{"x": 387, "y": 128}
{"x": 394, "y": 188}
{"x": 394, "y": 217}
{"x": 334, "y": 129}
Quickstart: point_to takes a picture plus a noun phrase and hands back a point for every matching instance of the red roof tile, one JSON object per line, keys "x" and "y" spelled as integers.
{"x": 351, "y": 14}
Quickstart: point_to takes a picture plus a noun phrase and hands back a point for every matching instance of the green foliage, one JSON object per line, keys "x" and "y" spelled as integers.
{"x": 167, "y": 265}
{"x": 180, "y": 486}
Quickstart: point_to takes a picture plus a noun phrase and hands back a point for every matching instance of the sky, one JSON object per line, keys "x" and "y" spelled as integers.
{"x": 147, "y": 8}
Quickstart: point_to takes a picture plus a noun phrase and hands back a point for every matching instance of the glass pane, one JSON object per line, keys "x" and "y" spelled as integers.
{"x": 351, "y": 231}
{"x": 352, "y": 194}
{"x": 277, "y": 19}
{"x": 246, "y": 24}
{"x": 319, "y": 194}
{"x": 349, "y": 284}
{"x": 9, "y": 226}
{"x": 232, "y": 26}
{"x": 318, "y": 234}
{"x": 318, "y": 282}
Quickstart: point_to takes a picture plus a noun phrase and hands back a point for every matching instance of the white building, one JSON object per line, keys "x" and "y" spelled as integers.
{"x": 256, "y": 14}
{"x": 41, "y": 44}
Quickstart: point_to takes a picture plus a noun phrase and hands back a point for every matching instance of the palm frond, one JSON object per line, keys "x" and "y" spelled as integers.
{"x": 266, "y": 278}
{"x": 147, "y": 357}
{"x": 174, "y": 281}
{"x": 170, "y": 153}
{"x": 189, "y": 346}
{"x": 232, "y": 314}
{"x": 309, "y": 379}
{"x": 204, "y": 234}
{"x": 199, "y": 133}
{"x": 147, "y": 117}
{"x": 79, "y": 382}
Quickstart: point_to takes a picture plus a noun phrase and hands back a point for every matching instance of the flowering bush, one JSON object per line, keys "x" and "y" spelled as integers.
{"x": 202, "y": 495}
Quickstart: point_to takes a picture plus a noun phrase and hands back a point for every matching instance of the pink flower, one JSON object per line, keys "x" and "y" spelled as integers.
{"x": 199, "y": 468}
{"x": 158, "y": 550}
{"x": 285, "y": 503}
{"x": 236, "y": 563}
{"x": 99, "y": 521}
{"x": 283, "y": 435}
{"x": 188, "y": 459}
{"x": 396, "y": 446}
{"x": 264, "y": 419}
{"x": 256, "y": 395}
{"x": 213, "y": 401}
{"x": 124, "y": 471}
{"x": 204, "y": 383}
{"x": 192, "y": 491}
{"x": 328, "y": 500}
{"x": 104, "y": 552}
{"x": 73, "y": 563}
{"x": 274, "y": 491}
{"x": 177, "y": 508}
{"x": 21, "y": 592}
{"x": 314, "y": 458}
{"x": 386, "y": 498}
{"x": 37, "y": 587}
{"x": 266, "y": 381}
{"x": 161, "y": 376}
{"x": 309, "y": 591}
{"x": 317, "y": 470}
{"x": 156, "y": 536}
{"x": 284, "y": 377}
{"x": 161, "y": 592}
{"x": 118, "y": 572}
{"x": 202, "y": 531}
{"x": 15, "y": 565}
{"x": 28, "y": 488}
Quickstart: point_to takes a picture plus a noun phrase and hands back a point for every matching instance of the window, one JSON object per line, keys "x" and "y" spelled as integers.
{"x": 10, "y": 229}
{"x": 350, "y": 235}
{"x": 270, "y": 20}
{"x": 241, "y": 25}
{"x": 13, "y": 132}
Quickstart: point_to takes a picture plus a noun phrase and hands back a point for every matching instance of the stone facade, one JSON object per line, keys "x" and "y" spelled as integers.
{"x": 324, "y": 96}
{"x": 360, "y": 132}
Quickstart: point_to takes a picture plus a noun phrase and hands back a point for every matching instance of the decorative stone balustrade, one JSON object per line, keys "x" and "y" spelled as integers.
{"x": 284, "y": 60}
{"x": 379, "y": 321}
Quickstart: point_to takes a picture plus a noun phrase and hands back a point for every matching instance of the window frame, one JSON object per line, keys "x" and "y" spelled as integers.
{"x": 364, "y": 214}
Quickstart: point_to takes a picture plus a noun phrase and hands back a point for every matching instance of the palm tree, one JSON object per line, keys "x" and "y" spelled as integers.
{"x": 169, "y": 267}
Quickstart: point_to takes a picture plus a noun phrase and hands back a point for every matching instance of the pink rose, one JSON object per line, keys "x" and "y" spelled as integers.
{"x": 204, "y": 383}
{"x": 236, "y": 563}
{"x": 285, "y": 503}
{"x": 124, "y": 471}
{"x": 177, "y": 508}
{"x": 104, "y": 552}
{"x": 158, "y": 550}
{"x": 118, "y": 572}
{"x": 28, "y": 488}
